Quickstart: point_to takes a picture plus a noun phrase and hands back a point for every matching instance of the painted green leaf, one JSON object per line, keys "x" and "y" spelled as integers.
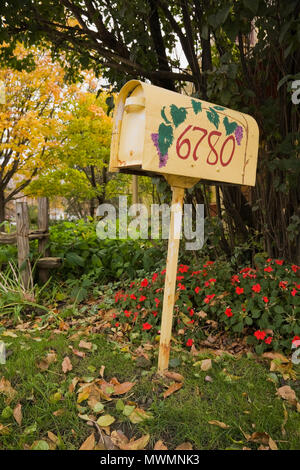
{"x": 219, "y": 108}
{"x": 163, "y": 115}
{"x": 213, "y": 117}
{"x": 165, "y": 138}
{"x": 178, "y": 114}
{"x": 229, "y": 126}
{"x": 197, "y": 106}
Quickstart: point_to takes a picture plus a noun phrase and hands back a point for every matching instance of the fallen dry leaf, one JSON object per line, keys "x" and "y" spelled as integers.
{"x": 120, "y": 389}
{"x": 173, "y": 388}
{"x": 206, "y": 364}
{"x": 73, "y": 384}
{"x": 66, "y": 365}
{"x": 101, "y": 372}
{"x": 138, "y": 415}
{"x": 272, "y": 444}
{"x": 222, "y": 425}
{"x": 18, "y": 414}
{"x": 77, "y": 353}
{"x": 4, "y": 429}
{"x": 159, "y": 445}
{"x": 59, "y": 412}
{"x": 105, "y": 420}
{"x": 275, "y": 355}
{"x": 285, "y": 418}
{"x": 287, "y": 393}
{"x": 85, "y": 345}
{"x": 139, "y": 444}
{"x": 7, "y": 389}
{"x": 259, "y": 437}
{"x": 174, "y": 375}
{"x": 184, "y": 446}
{"x": 89, "y": 443}
{"x": 45, "y": 362}
{"x": 118, "y": 438}
{"x": 52, "y": 437}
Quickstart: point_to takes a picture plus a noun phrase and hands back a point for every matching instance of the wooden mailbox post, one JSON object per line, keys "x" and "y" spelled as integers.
{"x": 186, "y": 140}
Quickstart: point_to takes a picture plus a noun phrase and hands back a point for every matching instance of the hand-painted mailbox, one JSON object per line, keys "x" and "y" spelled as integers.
{"x": 159, "y": 131}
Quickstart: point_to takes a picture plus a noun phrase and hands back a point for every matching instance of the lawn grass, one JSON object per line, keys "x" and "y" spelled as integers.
{"x": 239, "y": 394}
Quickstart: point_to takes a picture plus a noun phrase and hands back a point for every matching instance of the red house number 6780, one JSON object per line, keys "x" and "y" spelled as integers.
{"x": 183, "y": 146}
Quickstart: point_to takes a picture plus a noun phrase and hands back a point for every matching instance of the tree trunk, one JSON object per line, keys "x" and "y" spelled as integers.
{"x": 2, "y": 209}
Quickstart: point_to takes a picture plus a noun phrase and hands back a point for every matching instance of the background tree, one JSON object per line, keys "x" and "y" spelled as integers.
{"x": 226, "y": 64}
{"x": 81, "y": 172}
{"x": 28, "y": 123}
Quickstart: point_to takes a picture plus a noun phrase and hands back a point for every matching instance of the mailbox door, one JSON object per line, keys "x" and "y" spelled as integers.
{"x": 132, "y": 133}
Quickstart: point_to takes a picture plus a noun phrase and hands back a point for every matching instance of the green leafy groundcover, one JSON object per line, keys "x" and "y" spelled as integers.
{"x": 263, "y": 303}
{"x": 110, "y": 259}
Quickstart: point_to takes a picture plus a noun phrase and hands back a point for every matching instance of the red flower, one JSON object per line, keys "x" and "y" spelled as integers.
{"x": 154, "y": 314}
{"x": 256, "y": 288}
{"x": 132, "y": 296}
{"x": 163, "y": 272}
{"x": 157, "y": 301}
{"x": 179, "y": 278}
{"x": 132, "y": 284}
{"x": 183, "y": 268}
{"x": 294, "y": 292}
{"x": 191, "y": 312}
{"x": 144, "y": 283}
{"x": 260, "y": 334}
{"x": 197, "y": 290}
{"x": 268, "y": 269}
{"x": 190, "y": 342}
{"x": 295, "y": 268}
{"x": 117, "y": 324}
{"x": 296, "y": 340}
{"x": 154, "y": 277}
{"x": 208, "y": 298}
{"x": 279, "y": 261}
{"x": 142, "y": 298}
{"x": 265, "y": 299}
{"x": 269, "y": 340}
{"x": 147, "y": 326}
{"x": 283, "y": 284}
{"x": 208, "y": 263}
{"x": 235, "y": 279}
{"x": 239, "y": 290}
{"x": 181, "y": 286}
{"x": 127, "y": 313}
{"x": 228, "y": 312}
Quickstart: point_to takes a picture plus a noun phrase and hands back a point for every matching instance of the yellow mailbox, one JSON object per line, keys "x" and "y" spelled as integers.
{"x": 159, "y": 131}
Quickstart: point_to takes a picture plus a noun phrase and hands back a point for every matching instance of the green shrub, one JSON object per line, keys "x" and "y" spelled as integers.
{"x": 103, "y": 260}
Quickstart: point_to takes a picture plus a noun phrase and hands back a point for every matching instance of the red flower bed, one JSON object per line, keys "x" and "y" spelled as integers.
{"x": 262, "y": 303}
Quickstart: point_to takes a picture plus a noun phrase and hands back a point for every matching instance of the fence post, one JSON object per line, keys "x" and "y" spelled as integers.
{"x": 43, "y": 224}
{"x": 22, "y": 220}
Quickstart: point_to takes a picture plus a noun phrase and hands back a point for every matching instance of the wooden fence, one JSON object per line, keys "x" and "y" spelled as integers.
{"x": 23, "y": 235}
